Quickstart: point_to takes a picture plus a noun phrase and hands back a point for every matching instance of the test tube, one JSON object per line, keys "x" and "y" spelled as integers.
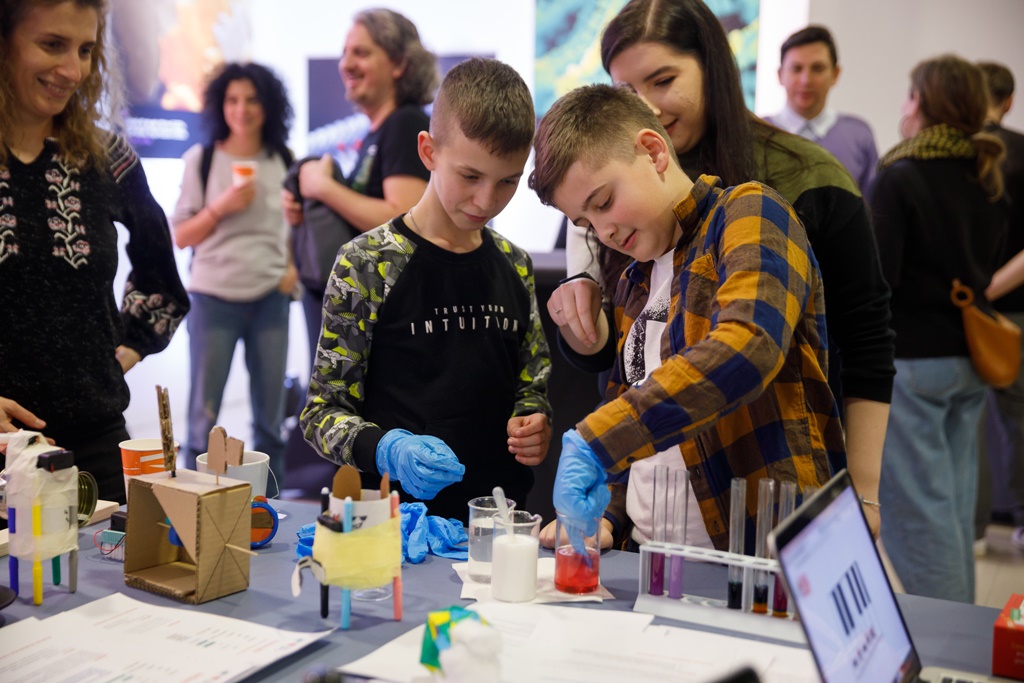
{"x": 809, "y": 491}
{"x": 787, "y": 502}
{"x": 659, "y": 520}
{"x": 677, "y": 529}
{"x": 765, "y": 507}
{"x": 737, "y": 525}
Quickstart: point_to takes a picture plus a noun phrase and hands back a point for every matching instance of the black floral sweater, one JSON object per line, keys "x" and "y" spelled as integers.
{"x": 59, "y": 321}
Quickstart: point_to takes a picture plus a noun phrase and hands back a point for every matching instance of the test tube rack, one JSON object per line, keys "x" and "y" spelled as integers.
{"x": 704, "y": 611}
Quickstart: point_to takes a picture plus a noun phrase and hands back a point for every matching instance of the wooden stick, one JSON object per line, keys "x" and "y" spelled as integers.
{"x": 166, "y": 430}
{"x": 242, "y": 550}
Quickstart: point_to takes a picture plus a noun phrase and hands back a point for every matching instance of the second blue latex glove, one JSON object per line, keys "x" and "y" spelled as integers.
{"x": 580, "y": 493}
{"x": 424, "y": 464}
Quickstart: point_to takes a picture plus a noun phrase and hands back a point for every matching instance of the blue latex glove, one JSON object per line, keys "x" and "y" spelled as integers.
{"x": 423, "y": 534}
{"x": 580, "y": 493}
{"x": 304, "y": 548}
{"x": 447, "y": 538}
{"x": 424, "y": 464}
{"x": 414, "y": 532}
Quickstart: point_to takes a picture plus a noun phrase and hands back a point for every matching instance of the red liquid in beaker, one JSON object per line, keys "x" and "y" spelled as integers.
{"x": 572, "y": 574}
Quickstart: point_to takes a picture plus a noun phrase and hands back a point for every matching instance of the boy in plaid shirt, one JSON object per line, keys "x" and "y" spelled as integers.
{"x": 718, "y": 331}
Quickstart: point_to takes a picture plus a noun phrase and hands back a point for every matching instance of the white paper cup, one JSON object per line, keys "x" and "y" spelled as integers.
{"x": 242, "y": 172}
{"x": 254, "y": 469}
{"x": 370, "y": 511}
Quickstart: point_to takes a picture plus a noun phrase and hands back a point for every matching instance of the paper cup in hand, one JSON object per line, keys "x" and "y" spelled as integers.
{"x": 242, "y": 172}
{"x": 142, "y": 456}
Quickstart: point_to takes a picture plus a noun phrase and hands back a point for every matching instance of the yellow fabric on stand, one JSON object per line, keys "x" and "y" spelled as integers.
{"x": 364, "y": 558}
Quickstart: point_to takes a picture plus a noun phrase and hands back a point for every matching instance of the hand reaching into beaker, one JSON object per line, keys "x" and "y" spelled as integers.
{"x": 580, "y": 493}
{"x": 547, "y": 535}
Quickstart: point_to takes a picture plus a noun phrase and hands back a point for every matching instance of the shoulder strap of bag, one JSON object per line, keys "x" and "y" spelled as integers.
{"x": 204, "y": 166}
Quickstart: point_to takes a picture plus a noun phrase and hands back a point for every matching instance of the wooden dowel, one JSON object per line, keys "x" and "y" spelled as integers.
{"x": 242, "y": 550}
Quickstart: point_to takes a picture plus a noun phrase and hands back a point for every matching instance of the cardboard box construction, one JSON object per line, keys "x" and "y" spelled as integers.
{"x": 213, "y": 522}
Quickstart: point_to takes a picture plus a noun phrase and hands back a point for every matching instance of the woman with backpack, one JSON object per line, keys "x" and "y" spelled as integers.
{"x": 242, "y": 276}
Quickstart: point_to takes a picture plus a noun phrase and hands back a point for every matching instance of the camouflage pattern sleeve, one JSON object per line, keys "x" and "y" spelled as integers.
{"x": 366, "y": 269}
{"x": 534, "y": 355}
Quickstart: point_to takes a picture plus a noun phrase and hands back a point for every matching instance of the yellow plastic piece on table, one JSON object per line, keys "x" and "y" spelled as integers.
{"x": 364, "y": 558}
{"x": 437, "y": 635}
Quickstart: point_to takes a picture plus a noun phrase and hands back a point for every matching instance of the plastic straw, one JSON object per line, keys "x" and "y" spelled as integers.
{"x": 346, "y": 595}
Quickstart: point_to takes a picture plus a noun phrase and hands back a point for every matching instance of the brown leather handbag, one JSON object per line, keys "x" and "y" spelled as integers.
{"x": 993, "y": 340}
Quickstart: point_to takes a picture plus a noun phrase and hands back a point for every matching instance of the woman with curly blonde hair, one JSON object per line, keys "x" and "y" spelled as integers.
{"x": 64, "y": 181}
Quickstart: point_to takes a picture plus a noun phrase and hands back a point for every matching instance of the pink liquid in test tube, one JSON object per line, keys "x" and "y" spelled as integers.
{"x": 659, "y": 521}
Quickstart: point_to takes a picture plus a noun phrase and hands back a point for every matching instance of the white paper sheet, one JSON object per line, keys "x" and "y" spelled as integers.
{"x": 117, "y": 637}
{"x": 546, "y": 591}
{"x": 550, "y": 644}
{"x": 521, "y": 626}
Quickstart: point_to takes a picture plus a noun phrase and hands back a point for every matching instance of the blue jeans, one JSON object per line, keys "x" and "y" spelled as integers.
{"x": 929, "y": 479}
{"x": 215, "y": 326}
{"x": 1003, "y": 443}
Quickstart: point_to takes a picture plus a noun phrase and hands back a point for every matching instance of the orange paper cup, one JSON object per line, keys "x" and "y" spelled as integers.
{"x": 242, "y": 172}
{"x": 142, "y": 456}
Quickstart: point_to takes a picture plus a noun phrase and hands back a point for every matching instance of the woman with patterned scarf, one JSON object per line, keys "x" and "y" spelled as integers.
{"x": 938, "y": 215}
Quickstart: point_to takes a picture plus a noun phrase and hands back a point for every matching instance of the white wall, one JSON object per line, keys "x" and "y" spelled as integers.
{"x": 880, "y": 41}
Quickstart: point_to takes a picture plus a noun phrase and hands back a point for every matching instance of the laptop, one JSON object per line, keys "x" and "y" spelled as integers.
{"x": 853, "y": 623}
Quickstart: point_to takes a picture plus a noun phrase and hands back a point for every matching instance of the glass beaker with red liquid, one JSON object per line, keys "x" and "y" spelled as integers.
{"x": 577, "y": 559}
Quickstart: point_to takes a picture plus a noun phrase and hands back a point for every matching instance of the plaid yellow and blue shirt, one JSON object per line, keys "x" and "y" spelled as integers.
{"x": 742, "y": 387}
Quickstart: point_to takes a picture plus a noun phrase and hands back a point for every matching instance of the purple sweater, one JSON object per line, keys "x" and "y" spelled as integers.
{"x": 848, "y": 138}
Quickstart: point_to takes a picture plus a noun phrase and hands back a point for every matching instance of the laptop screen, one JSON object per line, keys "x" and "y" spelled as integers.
{"x": 853, "y": 624}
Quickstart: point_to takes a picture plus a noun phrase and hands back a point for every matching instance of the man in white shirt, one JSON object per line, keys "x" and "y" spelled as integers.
{"x": 809, "y": 68}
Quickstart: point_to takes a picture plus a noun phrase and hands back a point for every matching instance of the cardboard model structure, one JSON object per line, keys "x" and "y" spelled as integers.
{"x": 212, "y": 520}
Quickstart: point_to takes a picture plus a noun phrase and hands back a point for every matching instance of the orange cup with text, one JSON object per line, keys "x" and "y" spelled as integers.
{"x": 142, "y": 456}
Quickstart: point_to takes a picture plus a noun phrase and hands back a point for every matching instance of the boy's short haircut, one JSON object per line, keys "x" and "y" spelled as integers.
{"x": 490, "y": 103}
{"x": 593, "y": 124}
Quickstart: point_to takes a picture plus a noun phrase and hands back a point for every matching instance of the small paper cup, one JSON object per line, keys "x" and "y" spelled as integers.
{"x": 254, "y": 468}
{"x": 142, "y": 456}
{"x": 242, "y": 172}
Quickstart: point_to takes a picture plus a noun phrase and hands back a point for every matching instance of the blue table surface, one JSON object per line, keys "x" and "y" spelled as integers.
{"x": 945, "y": 633}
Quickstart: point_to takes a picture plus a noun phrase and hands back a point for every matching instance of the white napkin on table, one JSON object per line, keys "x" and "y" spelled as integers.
{"x": 546, "y": 591}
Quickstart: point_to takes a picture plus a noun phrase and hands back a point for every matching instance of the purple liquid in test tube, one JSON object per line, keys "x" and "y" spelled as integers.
{"x": 659, "y": 519}
{"x": 677, "y": 529}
